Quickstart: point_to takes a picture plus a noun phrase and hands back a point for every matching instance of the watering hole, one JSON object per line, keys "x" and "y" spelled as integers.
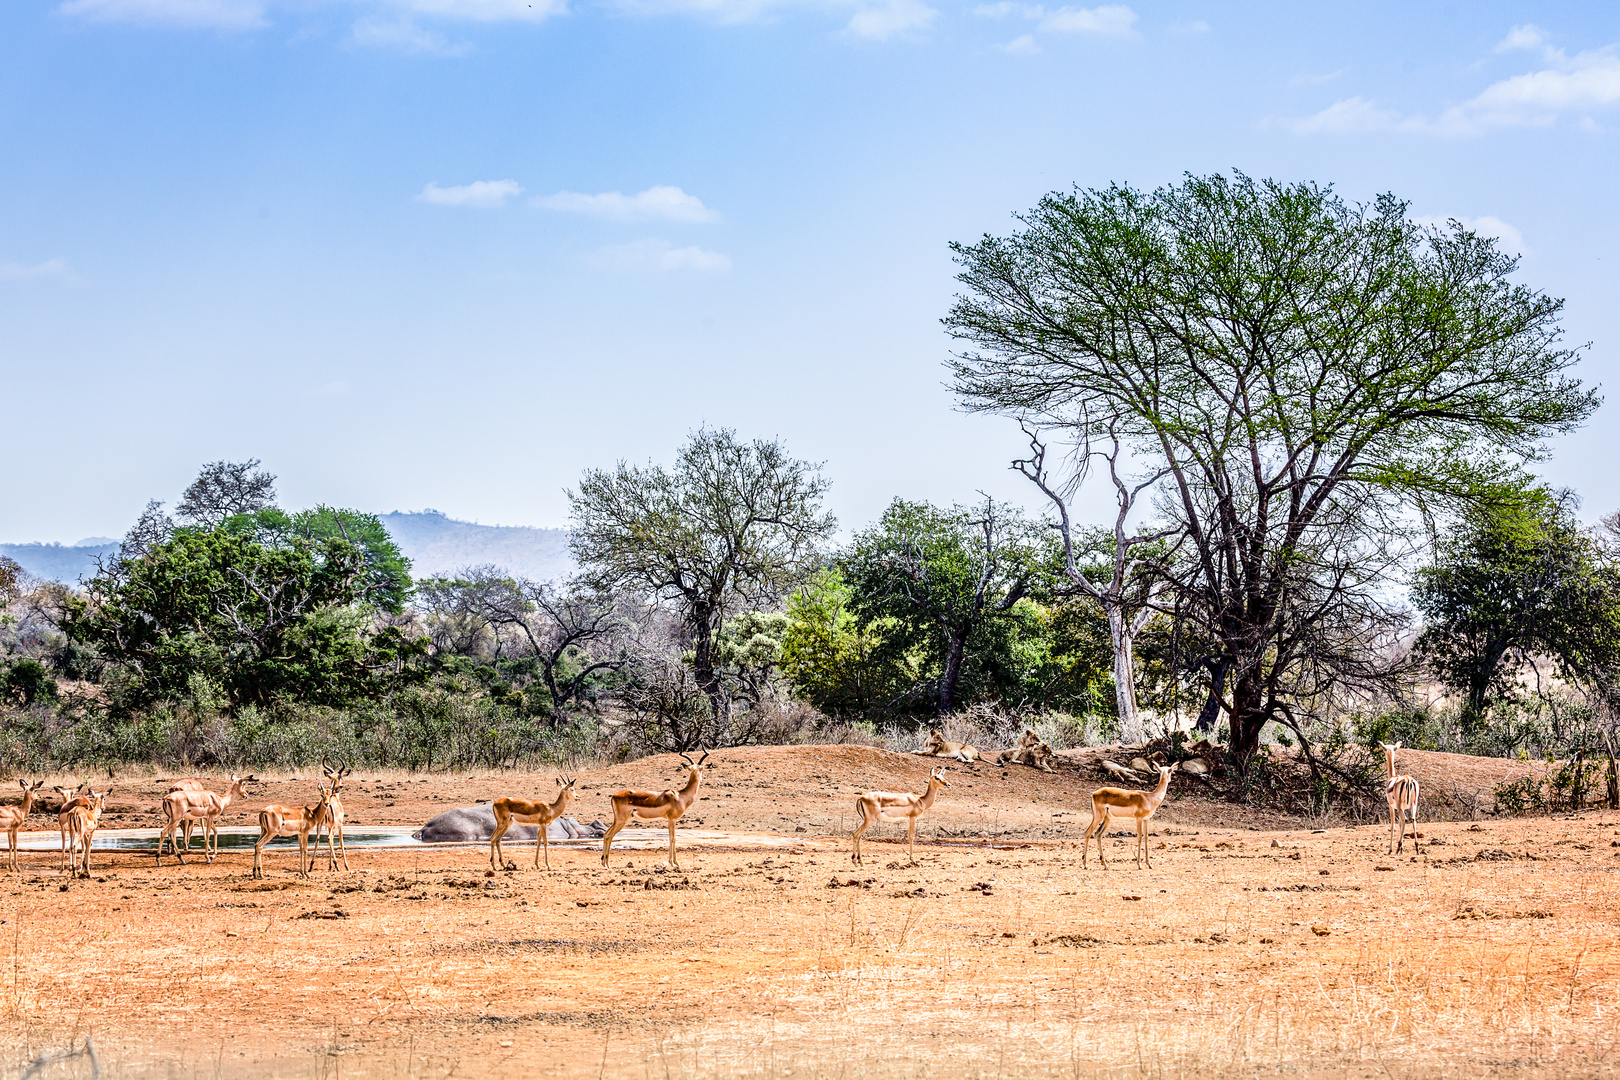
{"x": 242, "y": 838}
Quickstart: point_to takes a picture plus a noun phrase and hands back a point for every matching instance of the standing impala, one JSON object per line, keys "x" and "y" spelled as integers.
{"x": 876, "y": 806}
{"x": 653, "y": 805}
{"x": 1133, "y": 804}
{"x": 296, "y": 821}
{"x": 332, "y": 819}
{"x": 12, "y": 817}
{"x": 82, "y": 824}
{"x": 1401, "y": 792}
{"x": 525, "y": 812}
{"x": 71, "y": 801}
{"x": 204, "y": 806}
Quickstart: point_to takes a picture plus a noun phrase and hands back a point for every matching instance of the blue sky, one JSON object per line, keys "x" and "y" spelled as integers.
{"x": 449, "y": 253}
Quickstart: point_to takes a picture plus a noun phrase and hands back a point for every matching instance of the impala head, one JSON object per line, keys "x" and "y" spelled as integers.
{"x": 938, "y": 777}
{"x": 566, "y": 782}
{"x": 698, "y": 764}
{"x": 30, "y": 790}
{"x": 1390, "y": 748}
{"x": 98, "y": 799}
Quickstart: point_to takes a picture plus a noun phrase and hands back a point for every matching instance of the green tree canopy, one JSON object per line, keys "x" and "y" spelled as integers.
{"x": 732, "y": 526}
{"x": 385, "y": 573}
{"x": 1519, "y": 579}
{"x": 266, "y": 623}
{"x": 1301, "y": 369}
{"x": 945, "y": 582}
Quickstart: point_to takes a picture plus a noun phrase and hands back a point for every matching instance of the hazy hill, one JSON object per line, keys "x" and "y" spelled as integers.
{"x": 439, "y": 545}
{"x": 57, "y": 562}
{"x": 435, "y": 544}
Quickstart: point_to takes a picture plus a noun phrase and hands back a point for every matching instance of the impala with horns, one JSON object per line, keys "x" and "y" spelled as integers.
{"x": 332, "y": 820}
{"x": 525, "y": 812}
{"x": 667, "y": 805}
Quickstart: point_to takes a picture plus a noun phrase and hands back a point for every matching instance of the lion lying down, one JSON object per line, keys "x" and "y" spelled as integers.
{"x": 1029, "y": 751}
{"x": 938, "y": 747}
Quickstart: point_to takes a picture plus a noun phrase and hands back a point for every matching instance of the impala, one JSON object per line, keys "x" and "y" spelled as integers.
{"x": 875, "y": 806}
{"x": 296, "y": 821}
{"x": 12, "y": 817}
{"x": 204, "y": 806}
{"x": 525, "y": 812}
{"x": 332, "y": 820}
{"x": 1134, "y": 804}
{"x": 1401, "y": 792}
{"x": 82, "y": 824}
{"x": 653, "y": 805}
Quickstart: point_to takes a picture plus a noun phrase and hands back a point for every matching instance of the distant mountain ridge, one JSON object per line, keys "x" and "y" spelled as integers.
{"x": 437, "y": 545}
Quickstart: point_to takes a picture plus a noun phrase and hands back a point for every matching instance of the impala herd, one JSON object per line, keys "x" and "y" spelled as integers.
{"x": 188, "y": 802}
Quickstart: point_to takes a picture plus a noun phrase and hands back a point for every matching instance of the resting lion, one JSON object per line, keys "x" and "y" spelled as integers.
{"x": 938, "y": 747}
{"x": 1029, "y": 751}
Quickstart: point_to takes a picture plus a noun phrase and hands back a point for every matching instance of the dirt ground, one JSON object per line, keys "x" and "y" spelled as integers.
{"x": 1254, "y": 945}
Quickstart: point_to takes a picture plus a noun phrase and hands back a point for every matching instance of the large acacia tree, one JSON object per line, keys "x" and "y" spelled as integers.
{"x": 1287, "y": 358}
{"x": 732, "y": 526}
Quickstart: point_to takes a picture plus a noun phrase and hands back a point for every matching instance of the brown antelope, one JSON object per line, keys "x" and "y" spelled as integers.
{"x": 1136, "y": 804}
{"x": 12, "y": 817}
{"x": 525, "y": 812}
{"x": 186, "y": 826}
{"x": 71, "y": 800}
{"x": 938, "y": 747}
{"x": 653, "y": 805}
{"x": 205, "y": 806}
{"x": 1401, "y": 792}
{"x": 296, "y": 821}
{"x": 82, "y": 824}
{"x": 877, "y": 806}
{"x": 332, "y": 820}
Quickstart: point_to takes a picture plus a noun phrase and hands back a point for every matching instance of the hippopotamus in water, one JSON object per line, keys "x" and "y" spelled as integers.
{"x": 468, "y": 824}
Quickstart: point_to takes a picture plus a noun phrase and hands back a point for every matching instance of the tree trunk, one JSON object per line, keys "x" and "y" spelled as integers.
{"x": 1119, "y": 636}
{"x": 952, "y": 673}
{"x": 1217, "y": 694}
{"x": 1248, "y": 720}
{"x": 703, "y": 661}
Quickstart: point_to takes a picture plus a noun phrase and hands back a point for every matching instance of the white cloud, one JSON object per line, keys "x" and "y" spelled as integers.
{"x": 487, "y": 10}
{"x": 211, "y": 14}
{"x": 49, "y": 270}
{"x": 1188, "y": 29}
{"x": 1486, "y": 225}
{"x": 482, "y": 194}
{"x": 1113, "y": 20}
{"x": 890, "y": 19}
{"x": 1109, "y": 20}
{"x": 1528, "y": 36}
{"x": 661, "y": 256}
{"x": 406, "y": 36}
{"x": 1582, "y": 83}
{"x": 662, "y": 202}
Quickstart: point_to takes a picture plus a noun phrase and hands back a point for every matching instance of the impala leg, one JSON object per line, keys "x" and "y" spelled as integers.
{"x": 621, "y": 814}
{"x": 543, "y": 845}
{"x": 1102, "y": 827}
{"x": 911, "y": 839}
{"x": 866, "y": 823}
{"x": 496, "y": 858}
{"x": 1416, "y": 850}
{"x": 674, "y": 863}
{"x": 303, "y": 847}
{"x": 343, "y": 847}
{"x": 12, "y": 860}
{"x": 1142, "y": 845}
{"x": 258, "y": 855}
